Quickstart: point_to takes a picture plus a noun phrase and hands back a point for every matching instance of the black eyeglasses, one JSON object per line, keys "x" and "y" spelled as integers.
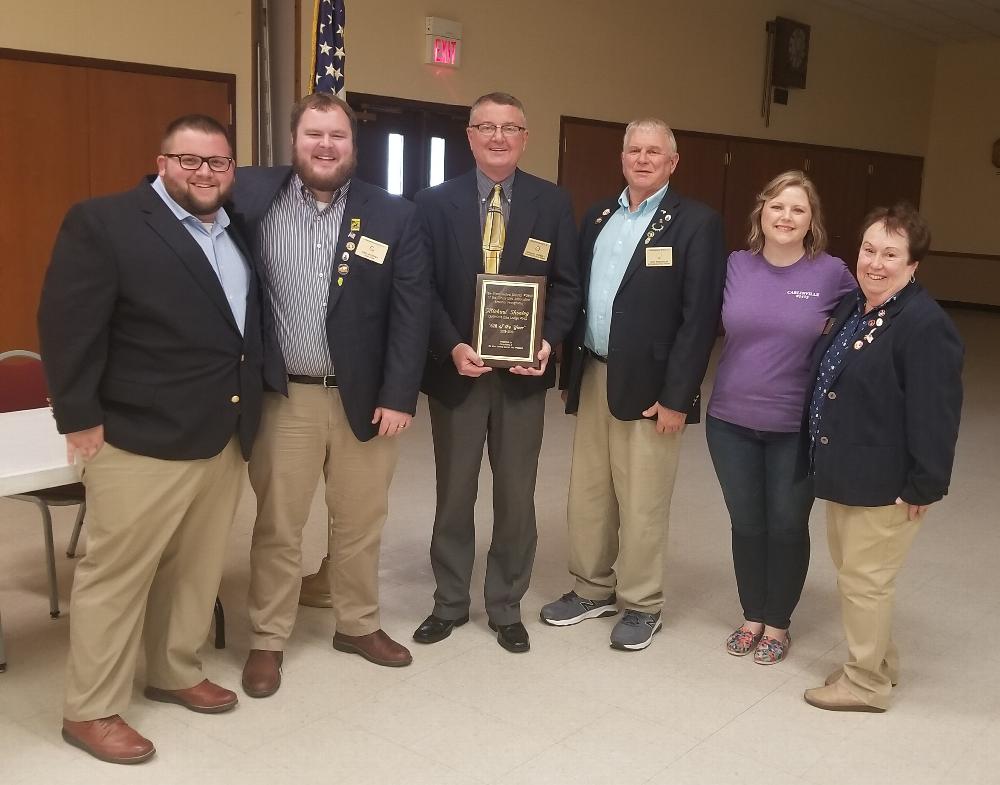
{"x": 217, "y": 163}
{"x": 507, "y": 129}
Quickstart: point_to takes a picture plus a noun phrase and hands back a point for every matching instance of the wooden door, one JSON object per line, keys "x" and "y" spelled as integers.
{"x": 128, "y": 112}
{"x": 752, "y": 164}
{"x": 894, "y": 178}
{"x": 590, "y": 161}
{"x": 450, "y": 130}
{"x": 701, "y": 171}
{"x": 417, "y": 131}
{"x": 841, "y": 177}
{"x": 72, "y": 128}
{"x": 44, "y": 169}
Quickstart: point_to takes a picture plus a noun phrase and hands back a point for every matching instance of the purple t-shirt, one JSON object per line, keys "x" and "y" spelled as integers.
{"x": 772, "y": 316}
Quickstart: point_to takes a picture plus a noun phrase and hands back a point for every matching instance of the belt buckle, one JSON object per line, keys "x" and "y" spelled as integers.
{"x": 332, "y": 379}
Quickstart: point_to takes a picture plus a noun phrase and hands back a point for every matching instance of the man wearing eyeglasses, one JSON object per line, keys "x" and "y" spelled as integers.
{"x": 471, "y": 403}
{"x": 150, "y": 331}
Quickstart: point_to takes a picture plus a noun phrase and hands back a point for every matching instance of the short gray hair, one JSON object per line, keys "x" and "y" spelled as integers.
{"x": 502, "y": 99}
{"x": 650, "y": 124}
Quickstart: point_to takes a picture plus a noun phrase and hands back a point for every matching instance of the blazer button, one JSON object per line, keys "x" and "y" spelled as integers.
{"x": 235, "y": 399}
{"x": 824, "y": 440}
{"x": 832, "y": 395}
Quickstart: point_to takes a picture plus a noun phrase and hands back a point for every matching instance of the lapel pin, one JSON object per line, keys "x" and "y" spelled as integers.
{"x": 598, "y": 220}
{"x": 668, "y": 217}
{"x": 355, "y": 224}
{"x": 858, "y": 344}
{"x": 343, "y": 269}
{"x": 350, "y": 246}
{"x": 345, "y": 256}
{"x": 606, "y": 211}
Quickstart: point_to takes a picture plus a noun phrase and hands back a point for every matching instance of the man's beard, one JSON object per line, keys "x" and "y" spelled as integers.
{"x": 324, "y": 183}
{"x": 197, "y": 203}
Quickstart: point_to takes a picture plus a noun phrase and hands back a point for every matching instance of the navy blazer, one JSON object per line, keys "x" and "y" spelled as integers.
{"x": 450, "y": 220}
{"x": 890, "y": 421}
{"x": 665, "y": 318}
{"x": 137, "y": 334}
{"x": 377, "y": 321}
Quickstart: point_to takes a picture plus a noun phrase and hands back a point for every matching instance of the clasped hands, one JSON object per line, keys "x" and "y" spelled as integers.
{"x": 468, "y": 362}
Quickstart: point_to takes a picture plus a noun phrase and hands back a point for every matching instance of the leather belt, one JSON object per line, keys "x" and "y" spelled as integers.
{"x": 599, "y": 357}
{"x": 326, "y": 381}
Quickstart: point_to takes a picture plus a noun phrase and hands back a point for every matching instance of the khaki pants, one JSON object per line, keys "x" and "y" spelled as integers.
{"x": 868, "y": 546}
{"x": 620, "y": 487}
{"x": 299, "y": 437}
{"x": 156, "y": 542}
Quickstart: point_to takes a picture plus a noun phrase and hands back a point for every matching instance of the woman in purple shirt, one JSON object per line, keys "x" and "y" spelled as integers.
{"x": 778, "y": 296}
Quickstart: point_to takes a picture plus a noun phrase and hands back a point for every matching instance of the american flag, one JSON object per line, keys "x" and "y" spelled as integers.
{"x": 329, "y": 57}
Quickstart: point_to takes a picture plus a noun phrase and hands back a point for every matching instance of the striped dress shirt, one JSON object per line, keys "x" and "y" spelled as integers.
{"x": 298, "y": 241}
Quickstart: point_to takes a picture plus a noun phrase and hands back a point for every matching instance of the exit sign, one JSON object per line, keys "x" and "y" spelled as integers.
{"x": 443, "y": 42}
{"x": 445, "y": 51}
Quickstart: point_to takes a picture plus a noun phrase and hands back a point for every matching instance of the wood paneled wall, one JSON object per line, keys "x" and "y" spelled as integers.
{"x": 727, "y": 173}
{"x": 72, "y": 128}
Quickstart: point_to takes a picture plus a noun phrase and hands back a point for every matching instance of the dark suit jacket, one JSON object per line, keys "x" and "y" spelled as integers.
{"x": 137, "y": 334}
{"x": 892, "y": 421}
{"x": 665, "y": 319}
{"x": 450, "y": 219}
{"x": 377, "y": 321}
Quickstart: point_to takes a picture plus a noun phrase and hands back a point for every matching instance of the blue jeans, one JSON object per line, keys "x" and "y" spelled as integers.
{"x": 769, "y": 512}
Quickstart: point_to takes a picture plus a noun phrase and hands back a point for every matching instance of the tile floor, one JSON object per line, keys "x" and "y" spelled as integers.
{"x": 572, "y": 710}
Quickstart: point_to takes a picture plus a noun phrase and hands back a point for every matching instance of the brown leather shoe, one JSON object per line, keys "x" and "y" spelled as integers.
{"x": 837, "y": 697}
{"x": 110, "y": 739}
{"x": 375, "y": 647}
{"x": 315, "y": 591}
{"x": 204, "y": 698}
{"x": 262, "y": 673}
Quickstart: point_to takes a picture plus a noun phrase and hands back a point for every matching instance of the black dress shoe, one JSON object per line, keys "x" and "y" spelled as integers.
{"x": 434, "y": 628}
{"x": 513, "y": 637}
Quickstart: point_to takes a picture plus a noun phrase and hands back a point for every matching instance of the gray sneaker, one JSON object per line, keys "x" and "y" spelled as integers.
{"x": 635, "y": 631}
{"x": 572, "y": 609}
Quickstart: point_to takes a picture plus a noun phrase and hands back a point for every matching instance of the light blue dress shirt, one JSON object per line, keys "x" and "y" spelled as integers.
{"x": 613, "y": 251}
{"x": 228, "y": 263}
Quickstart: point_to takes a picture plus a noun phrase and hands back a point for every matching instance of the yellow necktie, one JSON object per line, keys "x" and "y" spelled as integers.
{"x": 494, "y": 233}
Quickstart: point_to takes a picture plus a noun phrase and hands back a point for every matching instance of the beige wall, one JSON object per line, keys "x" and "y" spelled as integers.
{"x": 207, "y": 36}
{"x": 961, "y": 186}
{"x": 697, "y": 63}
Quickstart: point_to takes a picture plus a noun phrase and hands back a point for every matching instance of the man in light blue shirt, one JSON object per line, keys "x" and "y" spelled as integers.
{"x": 640, "y": 348}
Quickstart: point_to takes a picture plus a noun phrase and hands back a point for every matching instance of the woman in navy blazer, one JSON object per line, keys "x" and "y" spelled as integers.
{"x": 881, "y": 426}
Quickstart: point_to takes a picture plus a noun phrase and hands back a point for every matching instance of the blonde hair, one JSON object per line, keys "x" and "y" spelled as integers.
{"x": 815, "y": 240}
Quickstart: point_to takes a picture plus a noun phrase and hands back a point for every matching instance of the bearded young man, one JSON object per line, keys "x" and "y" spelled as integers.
{"x": 347, "y": 315}
{"x": 150, "y": 331}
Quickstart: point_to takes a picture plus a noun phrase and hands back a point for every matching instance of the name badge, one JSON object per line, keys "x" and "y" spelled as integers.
{"x": 660, "y": 257}
{"x": 537, "y": 249}
{"x": 372, "y": 250}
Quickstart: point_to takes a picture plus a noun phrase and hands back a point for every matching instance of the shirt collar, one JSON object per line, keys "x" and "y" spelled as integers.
{"x": 646, "y": 205}
{"x": 305, "y": 196}
{"x": 485, "y": 184}
{"x": 182, "y": 215}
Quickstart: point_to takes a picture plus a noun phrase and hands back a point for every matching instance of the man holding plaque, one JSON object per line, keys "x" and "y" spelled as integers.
{"x": 506, "y": 290}
{"x": 653, "y": 264}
